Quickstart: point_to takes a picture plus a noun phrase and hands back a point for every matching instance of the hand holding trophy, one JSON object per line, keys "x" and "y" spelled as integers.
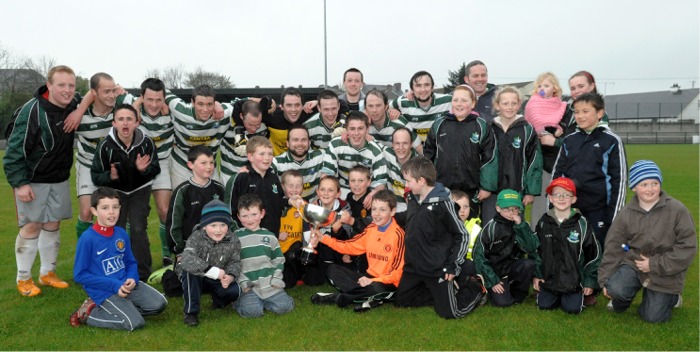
{"x": 317, "y": 216}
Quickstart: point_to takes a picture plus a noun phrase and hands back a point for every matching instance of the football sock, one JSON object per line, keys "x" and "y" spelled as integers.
{"x": 49, "y": 243}
{"x": 25, "y": 253}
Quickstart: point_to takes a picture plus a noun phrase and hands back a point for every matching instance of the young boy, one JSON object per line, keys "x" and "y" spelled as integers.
{"x": 291, "y": 226}
{"x": 435, "y": 271}
{"x": 105, "y": 266}
{"x": 567, "y": 261}
{"x": 594, "y": 158}
{"x": 261, "y": 277}
{"x": 127, "y": 161}
{"x": 210, "y": 262}
{"x": 359, "y": 179}
{"x": 189, "y": 198}
{"x": 650, "y": 246}
{"x": 261, "y": 180}
{"x": 472, "y": 225}
{"x": 500, "y": 254}
{"x": 382, "y": 244}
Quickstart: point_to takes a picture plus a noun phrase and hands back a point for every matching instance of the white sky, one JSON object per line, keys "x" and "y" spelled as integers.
{"x": 629, "y": 45}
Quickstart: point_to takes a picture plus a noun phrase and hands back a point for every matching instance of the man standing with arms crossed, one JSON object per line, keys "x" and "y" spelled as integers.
{"x": 37, "y": 165}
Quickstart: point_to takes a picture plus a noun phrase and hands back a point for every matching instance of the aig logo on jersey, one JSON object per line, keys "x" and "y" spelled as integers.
{"x": 113, "y": 265}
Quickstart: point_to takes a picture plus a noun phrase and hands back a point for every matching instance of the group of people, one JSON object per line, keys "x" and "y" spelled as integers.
{"x": 424, "y": 198}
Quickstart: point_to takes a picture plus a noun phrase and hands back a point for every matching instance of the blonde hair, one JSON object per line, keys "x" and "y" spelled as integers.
{"x": 59, "y": 68}
{"x": 255, "y": 142}
{"x": 552, "y": 78}
{"x": 504, "y": 90}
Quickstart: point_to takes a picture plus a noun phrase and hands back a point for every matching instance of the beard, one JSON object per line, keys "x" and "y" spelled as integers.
{"x": 297, "y": 154}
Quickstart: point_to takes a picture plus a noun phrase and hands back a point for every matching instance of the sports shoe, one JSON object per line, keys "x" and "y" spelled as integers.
{"x": 81, "y": 315}
{"x": 167, "y": 261}
{"x": 484, "y": 291}
{"x": 365, "y": 306}
{"x": 610, "y": 307}
{"x": 322, "y": 298}
{"x": 191, "y": 319}
{"x": 680, "y": 302}
{"x": 589, "y": 301}
{"x": 28, "y": 288}
{"x": 52, "y": 280}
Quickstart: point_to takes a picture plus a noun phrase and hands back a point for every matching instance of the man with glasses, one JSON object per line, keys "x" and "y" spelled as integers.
{"x": 500, "y": 253}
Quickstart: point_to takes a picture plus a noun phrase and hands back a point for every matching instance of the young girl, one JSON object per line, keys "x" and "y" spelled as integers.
{"x": 545, "y": 108}
{"x": 518, "y": 152}
{"x": 461, "y": 147}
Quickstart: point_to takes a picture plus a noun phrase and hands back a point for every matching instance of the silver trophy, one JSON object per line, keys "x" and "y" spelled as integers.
{"x": 317, "y": 216}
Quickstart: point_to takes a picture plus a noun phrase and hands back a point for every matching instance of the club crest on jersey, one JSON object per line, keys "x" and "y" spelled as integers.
{"x": 366, "y": 163}
{"x": 121, "y": 246}
{"x": 387, "y": 248}
{"x": 266, "y": 240}
{"x": 274, "y": 189}
{"x": 475, "y": 137}
{"x": 516, "y": 142}
{"x": 573, "y": 237}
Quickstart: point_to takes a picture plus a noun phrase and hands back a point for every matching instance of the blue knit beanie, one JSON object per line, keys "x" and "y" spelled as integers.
{"x": 215, "y": 211}
{"x": 643, "y": 170}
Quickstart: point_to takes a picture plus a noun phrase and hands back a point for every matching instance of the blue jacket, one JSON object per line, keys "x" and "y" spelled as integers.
{"x": 596, "y": 162}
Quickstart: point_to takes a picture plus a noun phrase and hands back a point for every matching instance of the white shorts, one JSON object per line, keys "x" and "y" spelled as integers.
{"x": 51, "y": 203}
{"x": 83, "y": 180}
{"x": 162, "y": 181}
{"x": 180, "y": 174}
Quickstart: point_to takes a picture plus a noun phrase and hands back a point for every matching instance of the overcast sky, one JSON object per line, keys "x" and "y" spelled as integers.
{"x": 628, "y": 45}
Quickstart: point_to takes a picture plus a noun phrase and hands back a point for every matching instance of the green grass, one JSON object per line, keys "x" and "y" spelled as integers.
{"x": 41, "y": 323}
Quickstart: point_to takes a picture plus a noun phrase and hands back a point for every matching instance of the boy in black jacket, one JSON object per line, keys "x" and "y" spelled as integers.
{"x": 435, "y": 271}
{"x": 126, "y": 160}
{"x": 566, "y": 264}
{"x": 500, "y": 253}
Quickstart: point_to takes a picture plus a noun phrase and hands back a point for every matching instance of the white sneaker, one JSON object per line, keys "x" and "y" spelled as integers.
{"x": 680, "y": 302}
{"x": 610, "y": 306}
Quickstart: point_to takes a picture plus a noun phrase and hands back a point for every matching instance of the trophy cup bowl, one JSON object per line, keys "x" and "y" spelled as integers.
{"x": 317, "y": 216}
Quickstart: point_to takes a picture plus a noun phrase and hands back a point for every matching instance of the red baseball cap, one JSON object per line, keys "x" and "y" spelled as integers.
{"x": 563, "y": 182}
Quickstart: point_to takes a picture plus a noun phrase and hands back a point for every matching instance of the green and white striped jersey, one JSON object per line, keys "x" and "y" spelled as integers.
{"x": 383, "y": 135}
{"x": 310, "y": 169}
{"x": 397, "y": 184}
{"x": 93, "y": 129}
{"x": 160, "y": 130}
{"x": 237, "y": 137}
{"x": 341, "y": 157}
{"x": 319, "y": 133}
{"x": 420, "y": 119}
{"x": 189, "y": 131}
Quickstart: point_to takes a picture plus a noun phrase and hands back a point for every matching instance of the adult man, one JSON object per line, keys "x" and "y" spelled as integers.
{"x": 233, "y": 150}
{"x": 299, "y": 156}
{"x": 425, "y": 107}
{"x": 37, "y": 165}
{"x": 353, "y": 81}
{"x": 394, "y": 157}
{"x": 158, "y": 126}
{"x": 322, "y": 125}
{"x": 382, "y": 127}
{"x": 95, "y": 113}
{"x": 195, "y": 125}
{"x": 342, "y": 156}
{"x": 290, "y": 112}
{"x": 477, "y": 77}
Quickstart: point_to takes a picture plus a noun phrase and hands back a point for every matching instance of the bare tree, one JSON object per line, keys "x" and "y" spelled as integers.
{"x": 153, "y": 73}
{"x": 216, "y": 80}
{"x": 173, "y": 77}
{"x": 42, "y": 64}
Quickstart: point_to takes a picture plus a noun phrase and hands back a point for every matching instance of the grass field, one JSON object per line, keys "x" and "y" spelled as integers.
{"x": 41, "y": 323}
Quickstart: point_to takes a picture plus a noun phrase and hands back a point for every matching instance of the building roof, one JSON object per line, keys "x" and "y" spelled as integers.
{"x": 660, "y": 104}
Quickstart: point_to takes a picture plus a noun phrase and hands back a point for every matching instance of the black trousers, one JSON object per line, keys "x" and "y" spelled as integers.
{"x": 345, "y": 280}
{"x": 450, "y": 299}
{"x": 516, "y": 285}
{"x": 135, "y": 208}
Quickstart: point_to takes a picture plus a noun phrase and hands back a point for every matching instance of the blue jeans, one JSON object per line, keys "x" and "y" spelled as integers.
{"x": 569, "y": 302}
{"x": 624, "y": 284}
{"x": 249, "y": 305}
